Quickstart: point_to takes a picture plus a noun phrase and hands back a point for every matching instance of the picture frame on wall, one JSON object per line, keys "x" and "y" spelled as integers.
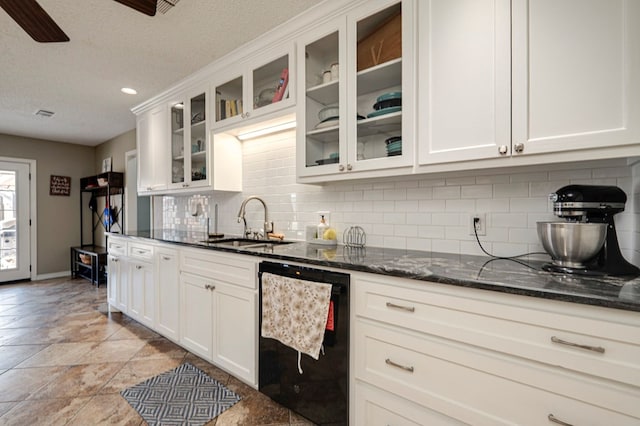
{"x": 106, "y": 165}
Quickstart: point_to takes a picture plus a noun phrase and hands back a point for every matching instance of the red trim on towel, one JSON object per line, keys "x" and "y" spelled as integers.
{"x": 330, "y": 318}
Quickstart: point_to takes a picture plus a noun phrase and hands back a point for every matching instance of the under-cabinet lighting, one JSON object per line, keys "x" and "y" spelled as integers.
{"x": 129, "y": 91}
{"x": 267, "y": 130}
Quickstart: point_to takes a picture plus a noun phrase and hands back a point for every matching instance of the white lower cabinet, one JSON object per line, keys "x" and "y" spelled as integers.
{"x": 234, "y": 330}
{"x": 117, "y": 274}
{"x": 142, "y": 291}
{"x": 486, "y": 358}
{"x": 168, "y": 293}
{"x": 196, "y": 325}
{"x": 219, "y": 310}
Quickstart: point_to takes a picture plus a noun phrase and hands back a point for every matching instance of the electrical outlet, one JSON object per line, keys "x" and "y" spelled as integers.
{"x": 480, "y": 224}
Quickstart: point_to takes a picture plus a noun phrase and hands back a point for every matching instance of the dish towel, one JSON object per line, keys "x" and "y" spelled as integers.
{"x": 295, "y": 312}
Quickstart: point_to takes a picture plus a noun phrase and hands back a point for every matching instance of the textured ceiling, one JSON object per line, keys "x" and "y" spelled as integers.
{"x": 113, "y": 46}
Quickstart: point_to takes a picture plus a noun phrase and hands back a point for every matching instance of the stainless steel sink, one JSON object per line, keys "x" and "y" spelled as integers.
{"x": 245, "y": 242}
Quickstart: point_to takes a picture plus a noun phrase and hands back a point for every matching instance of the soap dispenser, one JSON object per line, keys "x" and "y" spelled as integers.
{"x": 322, "y": 226}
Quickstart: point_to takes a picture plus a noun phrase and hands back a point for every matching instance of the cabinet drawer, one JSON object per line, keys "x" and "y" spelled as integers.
{"x": 584, "y": 343}
{"x": 234, "y": 269}
{"x": 117, "y": 246}
{"x": 140, "y": 251}
{"x": 479, "y": 387}
{"x": 375, "y": 407}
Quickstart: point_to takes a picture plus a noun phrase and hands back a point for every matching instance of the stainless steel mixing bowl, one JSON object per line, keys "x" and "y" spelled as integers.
{"x": 572, "y": 244}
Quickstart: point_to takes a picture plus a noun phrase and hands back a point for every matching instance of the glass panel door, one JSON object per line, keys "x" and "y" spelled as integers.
{"x": 379, "y": 85}
{"x": 177, "y": 143}
{"x": 14, "y": 221}
{"x": 198, "y": 138}
{"x": 229, "y": 100}
{"x": 271, "y": 83}
{"x": 322, "y": 106}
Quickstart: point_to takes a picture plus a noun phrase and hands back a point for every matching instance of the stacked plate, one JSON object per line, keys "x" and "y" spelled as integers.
{"x": 386, "y": 104}
{"x": 394, "y": 146}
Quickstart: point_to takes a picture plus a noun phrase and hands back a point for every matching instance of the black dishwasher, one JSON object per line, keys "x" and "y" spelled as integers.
{"x": 321, "y": 392}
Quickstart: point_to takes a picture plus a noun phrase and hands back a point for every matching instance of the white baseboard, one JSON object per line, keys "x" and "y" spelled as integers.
{"x": 53, "y": 275}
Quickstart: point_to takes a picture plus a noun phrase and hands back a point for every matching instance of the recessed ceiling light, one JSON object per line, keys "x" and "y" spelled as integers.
{"x": 129, "y": 91}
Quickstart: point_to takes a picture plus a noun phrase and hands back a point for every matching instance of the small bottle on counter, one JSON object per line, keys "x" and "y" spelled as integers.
{"x": 322, "y": 227}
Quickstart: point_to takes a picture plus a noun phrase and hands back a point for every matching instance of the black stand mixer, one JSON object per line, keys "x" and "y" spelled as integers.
{"x": 593, "y": 204}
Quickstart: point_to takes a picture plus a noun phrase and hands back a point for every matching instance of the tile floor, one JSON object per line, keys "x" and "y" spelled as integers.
{"x": 64, "y": 360}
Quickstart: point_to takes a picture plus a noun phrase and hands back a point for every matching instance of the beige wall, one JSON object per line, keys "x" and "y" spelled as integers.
{"x": 57, "y": 216}
{"x": 116, "y": 148}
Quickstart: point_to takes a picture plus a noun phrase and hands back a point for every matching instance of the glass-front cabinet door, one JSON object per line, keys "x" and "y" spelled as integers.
{"x": 381, "y": 81}
{"x": 177, "y": 144}
{"x": 262, "y": 85}
{"x": 229, "y": 101}
{"x": 189, "y": 145}
{"x": 321, "y": 96}
{"x": 350, "y": 113}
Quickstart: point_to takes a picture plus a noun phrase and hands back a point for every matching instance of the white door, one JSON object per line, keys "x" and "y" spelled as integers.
{"x": 15, "y": 218}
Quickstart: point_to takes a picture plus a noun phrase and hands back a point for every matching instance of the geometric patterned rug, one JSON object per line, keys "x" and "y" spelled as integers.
{"x": 185, "y": 395}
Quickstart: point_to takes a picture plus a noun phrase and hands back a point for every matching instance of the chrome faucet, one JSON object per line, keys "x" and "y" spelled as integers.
{"x": 268, "y": 226}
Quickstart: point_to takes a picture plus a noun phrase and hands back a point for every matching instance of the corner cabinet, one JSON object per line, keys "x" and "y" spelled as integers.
{"x": 255, "y": 88}
{"x": 356, "y": 101}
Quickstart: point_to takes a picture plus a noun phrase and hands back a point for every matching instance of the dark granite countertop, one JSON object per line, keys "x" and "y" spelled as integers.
{"x": 516, "y": 277}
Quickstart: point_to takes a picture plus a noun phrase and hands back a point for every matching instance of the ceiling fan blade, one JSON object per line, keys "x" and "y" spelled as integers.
{"x": 34, "y": 20}
{"x": 148, "y": 7}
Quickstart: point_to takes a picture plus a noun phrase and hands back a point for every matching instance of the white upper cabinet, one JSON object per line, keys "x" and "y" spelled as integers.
{"x": 356, "y": 96}
{"x": 464, "y": 79}
{"x": 576, "y": 74}
{"x": 151, "y": 138}
{"x": 255, "y": 88}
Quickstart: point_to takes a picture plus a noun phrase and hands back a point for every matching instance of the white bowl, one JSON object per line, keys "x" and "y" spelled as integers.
{"x": 329, "y": 112}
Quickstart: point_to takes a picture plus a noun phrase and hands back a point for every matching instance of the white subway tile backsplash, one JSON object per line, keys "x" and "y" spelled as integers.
{"x": 477, "y": 191}
{"x": 509, "y": 190}
{"x": 427, "y": 212}
{"x": 446, "y": 192}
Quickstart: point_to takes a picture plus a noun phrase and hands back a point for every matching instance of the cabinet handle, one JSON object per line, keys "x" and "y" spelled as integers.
{"x": 554, "y": 419}
{"x": 503, "y": 149}
{"x": 341, "y": 168}
{"x": 209, "y": 287}
{"x": 114, "y": 259}
{"x": 138, "y": 266}
{"x": 349, "y": 167}
{"x": 598, "y": 349}
{"x": 149, "y": 188}
{"x": 519, "y": 148}
{"x": 404, "y": 308}
{"x": 166, "y": 258}
{"x": 403, "y": 367}
{"x": 185, "y": 185}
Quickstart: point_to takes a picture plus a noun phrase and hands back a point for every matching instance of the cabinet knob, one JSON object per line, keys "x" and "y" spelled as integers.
{"x": 349, "y": 167}
{"x": 138, "y": 266}
{"x": 185, "y": 185}
{"x": 519, "y": 148}
{"x": 503, "y": 149}
{"x": 341, "y": 168}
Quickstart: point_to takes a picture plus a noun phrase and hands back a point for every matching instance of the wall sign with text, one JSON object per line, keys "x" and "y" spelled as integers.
{"x": 60, "y": 185}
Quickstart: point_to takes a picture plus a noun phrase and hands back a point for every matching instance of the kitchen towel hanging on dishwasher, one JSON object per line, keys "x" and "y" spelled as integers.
{"x": 295, "y": 313}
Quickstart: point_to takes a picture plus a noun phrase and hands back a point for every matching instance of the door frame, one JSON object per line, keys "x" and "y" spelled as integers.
{"x": 33, "y": 196}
